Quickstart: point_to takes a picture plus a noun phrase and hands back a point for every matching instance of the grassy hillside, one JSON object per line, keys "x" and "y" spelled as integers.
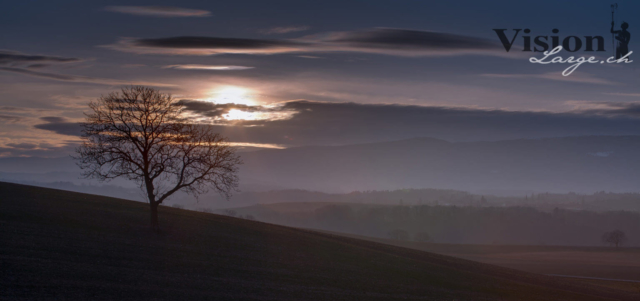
{"x": 61, "y": 245}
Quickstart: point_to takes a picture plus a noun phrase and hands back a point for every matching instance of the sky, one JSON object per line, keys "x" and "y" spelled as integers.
{"x": 279, "y": 74}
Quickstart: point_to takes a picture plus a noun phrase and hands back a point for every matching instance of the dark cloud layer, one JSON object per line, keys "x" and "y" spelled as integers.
{"x": 59, "y": 125}
{"x": 215, "y": 43}
{"x": 284, "y": 29}
{"x": 411, "y": 39}
{"x": 322, "y": 123}
{"x": 22, "y": 145}
{"x": 80, "y": 79}
{"x": 214, "y": 110}
{"x": 388, "y": 41}
{"x": 16, "y": 62}
{"x": 54, "y": 76}
{"x": 614, "y": 109}
{"x": 9, "y": 118}
{"x": 159, "y": 11}
{"x": 17, "y": 58}
{"x": 53, "y": 119}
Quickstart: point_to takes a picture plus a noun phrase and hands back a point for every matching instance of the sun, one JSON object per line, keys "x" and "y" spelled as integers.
{"x": 232, "y": 94}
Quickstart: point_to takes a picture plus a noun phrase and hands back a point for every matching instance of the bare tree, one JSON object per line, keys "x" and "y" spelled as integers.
{"x": 140, "y": 135}
{"x": 615, "y": 237}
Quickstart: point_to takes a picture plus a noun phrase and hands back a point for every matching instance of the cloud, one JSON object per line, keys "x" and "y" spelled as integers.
{"x": 256, "y": 145}
{"x": 81, "y": 79}
{"x": 210, "y": 109}
{"x": 159, "y": 11}
{"x": 16, "y": 62}
{"x": 286, "y": 29}
{"x": 408, "y": 42}
{"x": 22, "y": 145}
{"x": 36, "y": 66}
{"x": 9, "y": 118}
{"x": 60, "y": 125}
{"x": 206, "y": 46}
{"x": 14, "y": 58}
{"x": 624, "y": 94}
{"x": 63, "y": 126}
{"x": 398, "y": 42}
{"x": 37, "y": 150}
{"x": 609, "y": 109}
{"x": 53, "y": 119}
{"x": 20, "y": 113}
{"x": 576, "y": 77}
{"x": 207, "y": 67}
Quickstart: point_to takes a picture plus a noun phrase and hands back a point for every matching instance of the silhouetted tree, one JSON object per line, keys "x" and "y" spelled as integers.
{"x": 422, "y": 237}
{"x": 615, "y": 237}
{"x": 399, "y": 234}
{"x": 483, "y": 201}
{"x": 139, "y": 134}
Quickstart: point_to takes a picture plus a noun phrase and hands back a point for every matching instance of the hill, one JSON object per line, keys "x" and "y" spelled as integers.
{"x": 61, "y": 245}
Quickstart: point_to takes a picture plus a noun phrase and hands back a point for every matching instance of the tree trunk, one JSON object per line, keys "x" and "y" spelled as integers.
{"x": 154, "y": 217}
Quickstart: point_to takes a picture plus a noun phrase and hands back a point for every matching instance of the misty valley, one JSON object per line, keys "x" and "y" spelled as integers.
{"x": 450, "y": 224}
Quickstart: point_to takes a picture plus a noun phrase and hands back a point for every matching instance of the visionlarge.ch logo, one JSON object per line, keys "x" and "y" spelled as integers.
{"x": 550, "y": 45}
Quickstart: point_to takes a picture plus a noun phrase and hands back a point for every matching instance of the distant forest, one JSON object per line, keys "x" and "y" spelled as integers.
{"x": 600, "y": 201}
{"x": 453, "y": 224}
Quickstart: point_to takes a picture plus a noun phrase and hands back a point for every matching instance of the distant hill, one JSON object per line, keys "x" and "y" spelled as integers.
{"x": 579, "y": 164}
{"x": 62, "y": 245}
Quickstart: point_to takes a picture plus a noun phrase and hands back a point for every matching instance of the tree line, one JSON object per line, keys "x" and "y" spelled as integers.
{"x": 456, "y": 224}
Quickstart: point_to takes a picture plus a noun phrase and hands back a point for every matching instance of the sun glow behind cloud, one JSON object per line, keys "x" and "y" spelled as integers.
{"x": 235, "y": 114}
{"x": 231, "y": 105}
{"x": 232, "y": 94}
{"x": 260, "y": 113}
